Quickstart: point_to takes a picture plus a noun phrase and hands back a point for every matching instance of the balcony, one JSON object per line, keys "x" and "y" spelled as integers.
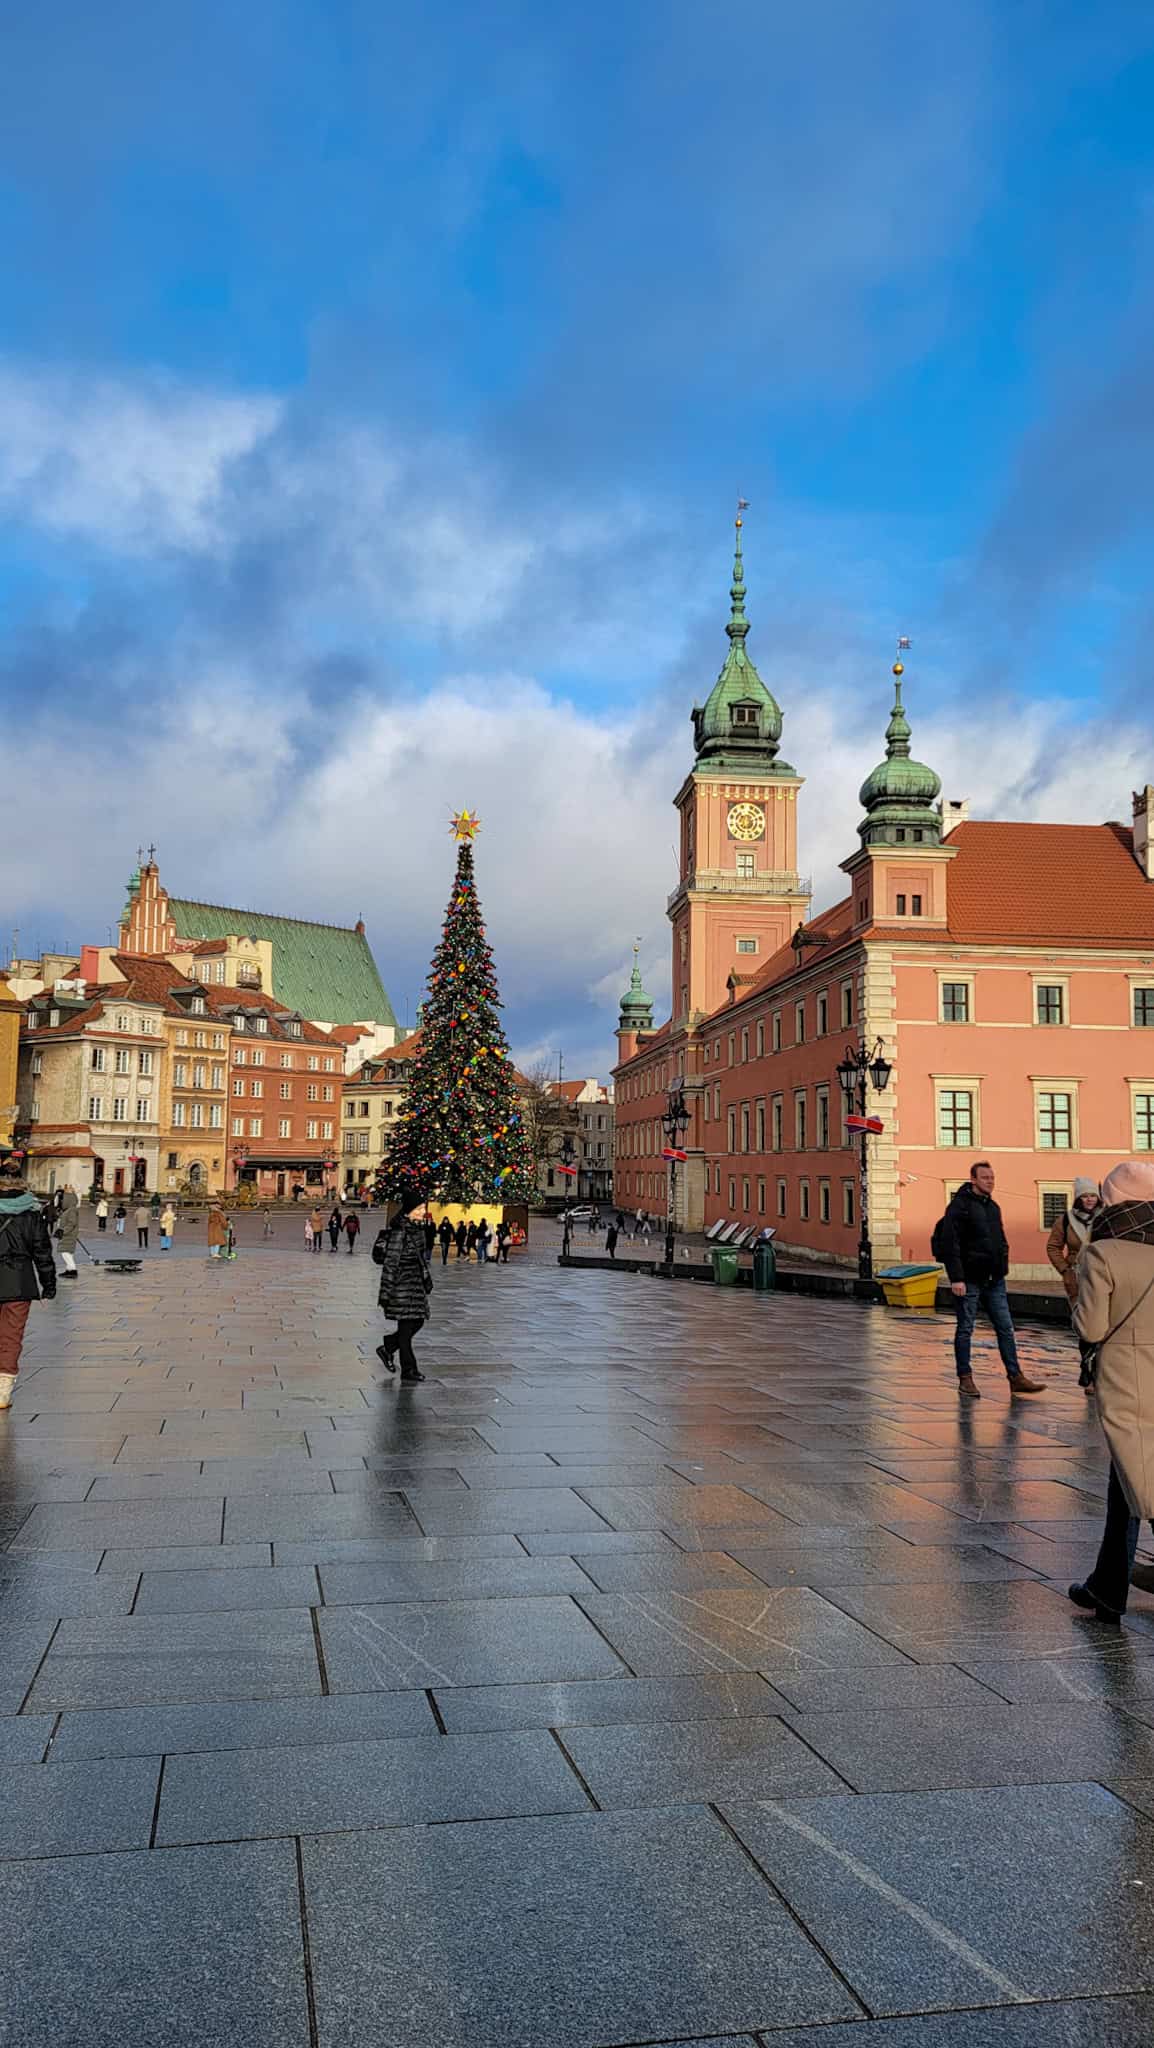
{"x": 723, "y": 882}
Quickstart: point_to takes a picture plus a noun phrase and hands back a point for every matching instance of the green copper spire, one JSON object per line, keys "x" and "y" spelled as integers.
{"x": 636, "y": 1006}
{"x": 899, "y": 796}
{"x": 739, "y": 726}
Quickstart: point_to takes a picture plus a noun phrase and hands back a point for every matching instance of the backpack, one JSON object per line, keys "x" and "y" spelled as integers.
{"x": 938, "y": 1241}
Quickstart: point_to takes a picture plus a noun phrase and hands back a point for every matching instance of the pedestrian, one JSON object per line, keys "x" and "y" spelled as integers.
{"x": 470, "y": 1240}
{"x": 217, "y": 1230}
{"x": 68, "y": 1231}
{"x": 461, "y": 1238}
{"x": 102, "y": 1213}
{"x": 27, "y": 1270}
{"x": 1115, "y": 1312}
{"x": 268, "y": 1229}
{"x": 335, "y": 1228}
{"x": 503, "y": 1235}
{"x": 611, "y": 1240}
{"x": 406, "y": 1284}
{"x": 430, "y": 1235}
{"x": 646, "y": 1226}
{"x": 119, "y": 1219}
{"x": 167, "y": 1226}
{"x": 619, "y": 1222}
{"x": 1068, "y": 1236}
{"x": 317, "y": 1219}
{"x": 142, "y": 1218}
{"x": 298, "y": 1191}
{"x": 591, "y": 1222}
{"x": 445, "y": 1234}
{"x": 484, "y": 1236}
{"x": 308, "y": 1233}
{"x": 971, "y": 1243}
{"x": 352, "y": 1230}
{"x": 155, "y": 1208}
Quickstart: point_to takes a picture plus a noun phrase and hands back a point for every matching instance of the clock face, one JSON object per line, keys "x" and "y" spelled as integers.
{"x": 746, "y": 821}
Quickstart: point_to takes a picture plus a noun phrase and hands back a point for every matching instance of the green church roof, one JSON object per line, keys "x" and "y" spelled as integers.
{"x": 636, "y": 1007}
{"x": 326, "y": 971}
{"x": 899, "y": 792}
{"x": 739, "y": 725}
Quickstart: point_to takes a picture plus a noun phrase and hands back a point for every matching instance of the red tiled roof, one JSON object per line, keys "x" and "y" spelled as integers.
{"x": 204, "y": 946}
{"x": 348, "y": 1034}
{"x": 221, "y": 999}
{"x": 1069, "y": 884}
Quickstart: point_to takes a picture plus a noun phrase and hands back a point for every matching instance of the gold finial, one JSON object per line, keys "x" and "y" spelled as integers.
{"x": 742, "y": 506}
{"x": 465, "y": 824}
{"x": 903, "y": 647}
{"x": 636, "y": 950}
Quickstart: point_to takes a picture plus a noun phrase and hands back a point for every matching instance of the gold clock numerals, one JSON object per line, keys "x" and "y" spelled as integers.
{"x": 746, "y": 821}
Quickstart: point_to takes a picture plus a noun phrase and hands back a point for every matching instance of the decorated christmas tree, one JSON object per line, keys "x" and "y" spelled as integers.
{"x": 461, "y": 1137}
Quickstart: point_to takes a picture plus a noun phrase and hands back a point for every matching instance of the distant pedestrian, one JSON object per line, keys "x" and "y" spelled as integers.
{"x": 267, "y": 1231}
{"x": 154, "y": 1208}
{"x": 68, "y": 1231}
{"x": 611, "y": 1240}
{"x": 141, "y": 1219}
{"x": 27, "y": 1270}
{"x": 167, "y": 1226}
{"x": 1068, "y": 1238}
{"x": 119, "y": 1219}
{"x": 1115, "y": 1312}
{"x": 445, "y": 1234}
{"x": 430, "y": 1236}
{"x": 591, "y": 1223}
{"x": 352, "y": 1230}
{"x": 470, "y": 1240}
{"x": 308, "y": 1233}
{"x": 461, "y": 1238}
{"x": 971, "y": 1242}
{"x": 298, "y": 1191}
{"x": 102, "y": 1213}
{"x": 619, "y": 1222}
{"x": 503, "y": 1236}
{"x": 317, "y": 1219}
{"x": 646, "y": 1226}
{"x": 217, "y": 1230}
{"x": 335, "y": 1228}
{"x": 406, "y": 1284}
{"x": 484, "y": 1238}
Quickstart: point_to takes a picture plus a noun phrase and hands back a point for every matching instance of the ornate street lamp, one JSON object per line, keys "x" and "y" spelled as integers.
{"x": 568, "y": 1155}
{"x": 853, "y": 1068}
{"x": 239, "y": 1162}
{"x": 674, "y": 1123}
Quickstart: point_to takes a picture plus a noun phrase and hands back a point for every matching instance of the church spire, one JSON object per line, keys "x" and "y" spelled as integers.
{"x": 739, "y": 726}
{"x": 899, "y": 796}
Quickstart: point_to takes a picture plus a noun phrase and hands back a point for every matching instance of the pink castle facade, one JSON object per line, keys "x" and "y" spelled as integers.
{"x": 1004, "y": 971}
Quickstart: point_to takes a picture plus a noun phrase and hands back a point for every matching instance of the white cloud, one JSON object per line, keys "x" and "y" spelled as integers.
{"x": 132, "y": 467}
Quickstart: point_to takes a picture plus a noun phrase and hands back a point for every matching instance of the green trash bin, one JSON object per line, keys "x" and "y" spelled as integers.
{"x": 764, "y": 1268}
{"x": 724, "y": 1266}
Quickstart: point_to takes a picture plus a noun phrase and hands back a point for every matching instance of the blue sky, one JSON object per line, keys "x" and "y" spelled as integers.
{"x": 376, "y": 385}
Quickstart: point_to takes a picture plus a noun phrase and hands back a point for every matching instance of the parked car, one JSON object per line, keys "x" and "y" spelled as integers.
{"x": 578, "y": 1215}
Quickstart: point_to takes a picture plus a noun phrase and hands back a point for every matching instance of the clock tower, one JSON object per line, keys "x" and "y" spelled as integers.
{"x": 739, "y": 897}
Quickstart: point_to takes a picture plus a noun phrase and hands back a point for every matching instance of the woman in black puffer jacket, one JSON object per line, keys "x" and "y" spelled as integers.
{"x": 406, "y": 1284}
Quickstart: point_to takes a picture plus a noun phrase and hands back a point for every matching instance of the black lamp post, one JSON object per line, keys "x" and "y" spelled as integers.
{"x": 852, "y": 1072}
{"x": 568, "y": 1155}
{"x": 674, "y": 1123}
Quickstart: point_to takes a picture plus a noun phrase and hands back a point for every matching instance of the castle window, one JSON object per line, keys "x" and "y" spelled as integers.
{"x": 743, "y": 714}
{"x": 746, "y": 867}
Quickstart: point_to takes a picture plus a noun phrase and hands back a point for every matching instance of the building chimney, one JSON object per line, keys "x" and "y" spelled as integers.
{"x": 1143, "y": 830}
{"x": 955, "y": 811}
{"x": 359, "y": 927}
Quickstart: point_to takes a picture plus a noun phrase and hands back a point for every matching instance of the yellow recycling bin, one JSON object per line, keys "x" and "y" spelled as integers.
{"x": 910, "y": 1286}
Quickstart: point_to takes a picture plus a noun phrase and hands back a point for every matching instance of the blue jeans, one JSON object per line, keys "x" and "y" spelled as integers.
{"x": 990, "y": 1295}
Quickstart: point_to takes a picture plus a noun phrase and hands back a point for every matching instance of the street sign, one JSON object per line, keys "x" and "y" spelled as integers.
{"x": 864, "y": 1123}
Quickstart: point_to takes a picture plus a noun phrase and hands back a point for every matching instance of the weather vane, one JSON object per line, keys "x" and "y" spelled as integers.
{"x": 742, "y": 506}
{"x": 465, "y": 824}
{"x": 903, "y": 648}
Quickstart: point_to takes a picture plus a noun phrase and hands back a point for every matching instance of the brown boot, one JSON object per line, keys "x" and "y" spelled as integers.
{"x": 966, "y": 1388}
{"x": 1019, "y": 1384}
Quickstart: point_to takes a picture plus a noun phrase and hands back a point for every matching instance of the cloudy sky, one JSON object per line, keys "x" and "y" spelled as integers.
{"x": 376, "y": 384}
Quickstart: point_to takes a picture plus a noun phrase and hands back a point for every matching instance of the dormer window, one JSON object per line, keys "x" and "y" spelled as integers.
{"x": 260, "y": 1023}
{"x": 743, "y": 715}
{"x": 293, "y": 1027}
{"x": 196, "y": 1006}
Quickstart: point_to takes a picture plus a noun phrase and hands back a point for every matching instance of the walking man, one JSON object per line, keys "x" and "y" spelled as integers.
{"x": 102, "y": 1213}
{"x": 503, "y": 1235}
{"x": 971, "y": 1242}
{"x": 143, "y": 1216}
{"x": 352, "y": 1230}
{"x": 68, "y": 1231}
{"x": 445, "y": 1234}
{"x": 27, "y": 1270}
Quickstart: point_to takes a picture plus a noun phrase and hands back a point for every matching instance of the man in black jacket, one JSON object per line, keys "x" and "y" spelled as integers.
{"x": 25, "y": 1259}
{"x": 976, "y": 1256}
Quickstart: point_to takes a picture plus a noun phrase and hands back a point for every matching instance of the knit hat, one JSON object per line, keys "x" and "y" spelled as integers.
{"x": 1132, "y": 1181}
{"x": 1084, "y": 1186}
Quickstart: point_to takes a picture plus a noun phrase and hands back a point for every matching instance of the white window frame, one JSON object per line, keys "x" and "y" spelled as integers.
{"x": 1055, "y": 1085}
{"x": 955, "y": 980}
{"x": 958, "y": 1084}
{"x": 1058, "y": 981}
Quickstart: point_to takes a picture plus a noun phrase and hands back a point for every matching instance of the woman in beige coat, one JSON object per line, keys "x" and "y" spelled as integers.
{"x": 1115, "y": 1311}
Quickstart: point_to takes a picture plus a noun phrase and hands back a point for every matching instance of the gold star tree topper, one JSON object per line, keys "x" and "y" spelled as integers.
{"x": 465, "y": 825}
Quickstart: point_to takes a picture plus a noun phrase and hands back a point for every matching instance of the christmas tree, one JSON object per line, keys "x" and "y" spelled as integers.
{"x": 461, "y": 1136}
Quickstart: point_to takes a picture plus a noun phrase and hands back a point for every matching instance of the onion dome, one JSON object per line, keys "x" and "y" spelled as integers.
{"x": 636, "y": 1006}
{"x": 899, "y": 796}
{"x": 739, "y": 725}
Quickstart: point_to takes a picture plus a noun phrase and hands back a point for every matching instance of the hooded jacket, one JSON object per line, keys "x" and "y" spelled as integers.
{"x": 974, "y": 1247}
{"x": 68, "y": 1221}
{"x": 1115, "y": 1311}
{"x": 25, "y": 1247}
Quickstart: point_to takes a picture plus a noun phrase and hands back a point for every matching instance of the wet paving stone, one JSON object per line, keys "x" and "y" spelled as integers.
{"x": 608, "y": 1702}
{"x": 177, "y": 1657}
{"x": 463, "y": 1642}
{"x": 71, "y": 1809}
{"x": 775, "y": 1631}
{"x": 1086, "y": 2023}
{"x": 238, "y": 1724}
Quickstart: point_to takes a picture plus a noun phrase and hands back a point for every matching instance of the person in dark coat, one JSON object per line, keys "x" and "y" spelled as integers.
{"x": 461, "y": 1238}
{"x": 503, "y": 1236}
{"x": 445, "y": 1233}
{"x": 972, "y": 1245}
{"x": 27, "y": 1271}
{"x": 406, "y": 1284}
{"x": 430, "y": 1236}
{"x": 611, "y": 1240}
{"x": 352, "y": 1230}
{"x": 335, "y": 1227}
{"x": 470, "y": 1240}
